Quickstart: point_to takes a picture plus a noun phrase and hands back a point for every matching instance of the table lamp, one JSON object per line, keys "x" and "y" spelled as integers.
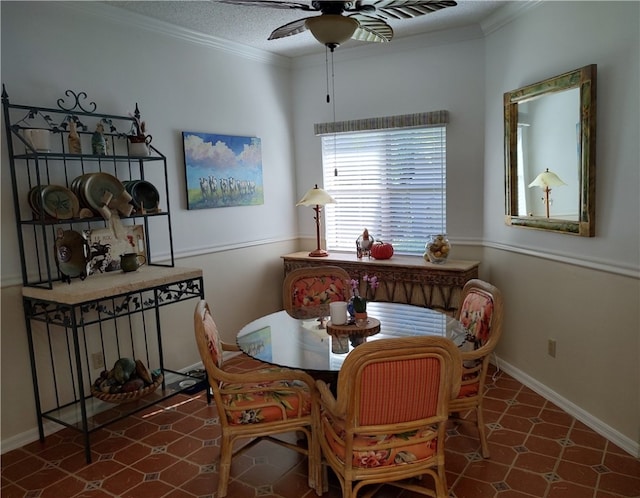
{"x": 317, "y": 198}
{"x": 545, "y": 180}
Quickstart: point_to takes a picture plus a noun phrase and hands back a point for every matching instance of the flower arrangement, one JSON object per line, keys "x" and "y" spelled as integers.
{"x": 360, "y": 301}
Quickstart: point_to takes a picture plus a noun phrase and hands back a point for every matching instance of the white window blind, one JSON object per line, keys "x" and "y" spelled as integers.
{"x": 390, "y": 181}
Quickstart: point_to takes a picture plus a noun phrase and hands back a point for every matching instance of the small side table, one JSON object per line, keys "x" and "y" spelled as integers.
{"x": 357, "y": 335}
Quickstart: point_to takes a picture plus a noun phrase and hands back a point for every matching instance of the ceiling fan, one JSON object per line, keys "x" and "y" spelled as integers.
{"x": 340, "y": 21}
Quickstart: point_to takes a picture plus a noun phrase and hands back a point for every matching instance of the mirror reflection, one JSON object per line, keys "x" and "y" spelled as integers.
{"x": 550, "y": 153}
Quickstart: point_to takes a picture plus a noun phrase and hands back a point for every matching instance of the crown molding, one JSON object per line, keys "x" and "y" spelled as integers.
{"x": 506, "y": 14}
{"x": 138, "y": 21}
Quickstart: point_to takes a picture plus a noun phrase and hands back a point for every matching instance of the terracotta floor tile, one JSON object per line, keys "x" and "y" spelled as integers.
{"x": 179, "y": 473}
{"x": 148, "y": 489}
{"x": 620, "y": 484}
{"x": 67, "y": 486}
{"x": 551, "y": 431}
{"x": 576, "y": 473}
{"x": 507, "y": 437}
{"x": 122, "y": 481}
{"x": 587, "y": 437}
{"x": 518, "y": 424}
{"x": 535, "y": 462}
{"x": 487, "y": 471}
{"x": 472, "y": 488}
{"x": 155, "y": 462}
{"x": 132, "y": 453}
{"x": 530, "y": 398}
{"x": 543, "y": 446}
{"x": 583, "y": 455}
{"x": 45, "y": 477}
{"x": 527, "y": 482}
{"x": 171, "y": 451}
{"x": 569, "y": 489}
{"x": 556, "y": 417}
{"x": 623, "y": 464}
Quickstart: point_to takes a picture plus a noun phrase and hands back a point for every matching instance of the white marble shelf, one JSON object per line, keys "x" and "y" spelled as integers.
{"x": 106, "y": 285}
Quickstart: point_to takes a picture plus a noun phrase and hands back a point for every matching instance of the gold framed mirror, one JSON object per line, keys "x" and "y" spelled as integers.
{"x": 550, "y": 153}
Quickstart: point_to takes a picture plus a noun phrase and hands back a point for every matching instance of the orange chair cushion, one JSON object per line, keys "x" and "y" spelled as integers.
{"x": 366, "y": 454}
{"x": 468, "y": 390}
{"x": 271, "y": 401}
{"x": 475, "y": 315}
{"x": 314, "y": 291}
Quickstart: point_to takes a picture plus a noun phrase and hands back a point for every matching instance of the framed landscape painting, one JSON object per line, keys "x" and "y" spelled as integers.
{"x": 222, "y": 170}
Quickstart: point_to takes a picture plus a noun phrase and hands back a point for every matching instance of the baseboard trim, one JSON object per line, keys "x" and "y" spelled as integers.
{"x": 626, "y": 443}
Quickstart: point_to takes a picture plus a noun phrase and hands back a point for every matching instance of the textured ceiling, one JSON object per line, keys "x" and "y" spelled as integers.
{"x": 251, "y": 26}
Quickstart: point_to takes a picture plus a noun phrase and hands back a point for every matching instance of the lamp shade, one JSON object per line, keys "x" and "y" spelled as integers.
{"x": 316, "y": 197}
{"x": 331, "y": 29}
{"x": 547, "y": 179}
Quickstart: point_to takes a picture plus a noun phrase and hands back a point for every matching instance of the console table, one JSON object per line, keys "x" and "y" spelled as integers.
{"x": 403, "y": 279}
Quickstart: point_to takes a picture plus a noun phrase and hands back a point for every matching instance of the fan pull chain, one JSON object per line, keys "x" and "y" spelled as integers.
{"x": 333, "y": 99}
{"x": 326, "y": 63}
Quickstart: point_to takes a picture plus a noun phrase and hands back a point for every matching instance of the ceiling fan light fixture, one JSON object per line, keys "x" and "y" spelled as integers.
{"x": 331, "y": 30}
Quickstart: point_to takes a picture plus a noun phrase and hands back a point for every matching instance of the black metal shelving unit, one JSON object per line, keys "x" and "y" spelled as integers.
{"x": 76, "y": 329}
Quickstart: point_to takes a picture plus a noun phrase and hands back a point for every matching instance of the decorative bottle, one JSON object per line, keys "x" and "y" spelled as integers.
{"x": 74, "y": 139}
{"x": 98, "y": 143}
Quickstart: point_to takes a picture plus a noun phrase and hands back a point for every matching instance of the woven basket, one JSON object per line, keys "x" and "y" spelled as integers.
{"x": 126, "y": 397}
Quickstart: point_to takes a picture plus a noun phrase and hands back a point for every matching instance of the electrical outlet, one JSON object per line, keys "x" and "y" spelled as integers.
{"x": 551, "y": 348}
{"x": 97, "y": 361}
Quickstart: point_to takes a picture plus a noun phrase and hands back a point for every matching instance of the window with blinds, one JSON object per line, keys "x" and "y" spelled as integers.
{"x": 390, "y": 181}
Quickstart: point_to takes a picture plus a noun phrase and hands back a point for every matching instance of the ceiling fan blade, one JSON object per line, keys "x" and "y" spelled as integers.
{"x": 289, "y": 29}
{"x": 274, "y": 4}
{"x": 399, "y": 9}
{"x": 371, "y": 29}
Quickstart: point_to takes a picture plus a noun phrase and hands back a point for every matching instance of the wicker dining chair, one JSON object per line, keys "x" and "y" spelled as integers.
{"x": 481, "y": 315}
{"x": 387, "y": 423}
{"x": 307, "y": 292}
{"x": 257, "y": 404}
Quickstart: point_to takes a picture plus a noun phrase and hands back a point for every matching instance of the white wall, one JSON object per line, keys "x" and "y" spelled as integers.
{"x": 582, "y": 292}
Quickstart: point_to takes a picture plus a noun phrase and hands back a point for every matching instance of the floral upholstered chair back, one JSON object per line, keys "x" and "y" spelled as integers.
{"x": 307, "y": 292}
{"x": 391, "y": 411}
{"x": 481, "y": 315}
{"x": 476, "y": 314}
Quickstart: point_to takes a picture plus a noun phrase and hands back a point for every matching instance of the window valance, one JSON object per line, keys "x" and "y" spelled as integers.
{"x": 433, "y": 118}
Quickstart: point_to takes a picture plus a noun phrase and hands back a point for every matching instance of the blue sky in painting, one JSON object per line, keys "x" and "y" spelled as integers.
{"x": 221, "y": 156}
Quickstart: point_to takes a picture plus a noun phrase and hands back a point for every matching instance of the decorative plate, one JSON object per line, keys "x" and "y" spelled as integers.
{"x": 145, "y": 195}
{"x": 34, "y": 198}
{"x": 59, "y": 202}
{"x": 95, "y": 186}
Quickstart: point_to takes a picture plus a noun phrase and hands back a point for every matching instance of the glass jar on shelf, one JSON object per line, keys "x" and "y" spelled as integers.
{"x": 437, "y": 248}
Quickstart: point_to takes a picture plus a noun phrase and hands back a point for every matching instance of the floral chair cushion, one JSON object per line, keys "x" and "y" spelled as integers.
{"x": 475, "y": 316}
{"x": 213, "y": 339}
{"x": 367, "y": 452}
{"x": 316, "y": 291}
{"x": 265, "y": 401}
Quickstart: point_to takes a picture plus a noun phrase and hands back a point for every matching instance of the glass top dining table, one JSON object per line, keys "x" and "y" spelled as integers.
{"x": 304, "y": 344}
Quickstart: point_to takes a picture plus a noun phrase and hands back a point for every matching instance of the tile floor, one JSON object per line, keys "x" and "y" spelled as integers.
{"x": 537, "y": 450}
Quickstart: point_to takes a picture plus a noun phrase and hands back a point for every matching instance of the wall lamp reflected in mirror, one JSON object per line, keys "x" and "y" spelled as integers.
{"x": 545, "y": 181}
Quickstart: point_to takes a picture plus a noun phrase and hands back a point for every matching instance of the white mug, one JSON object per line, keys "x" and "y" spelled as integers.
{"x": 338, "y": 312}
{"x": 39, "y": 139}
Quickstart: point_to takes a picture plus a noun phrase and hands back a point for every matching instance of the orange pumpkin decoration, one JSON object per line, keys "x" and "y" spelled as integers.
{"x": 381, "y": 250}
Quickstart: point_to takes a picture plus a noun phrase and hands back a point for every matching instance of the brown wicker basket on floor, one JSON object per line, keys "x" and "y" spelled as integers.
{"x": 126, "y": 397}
